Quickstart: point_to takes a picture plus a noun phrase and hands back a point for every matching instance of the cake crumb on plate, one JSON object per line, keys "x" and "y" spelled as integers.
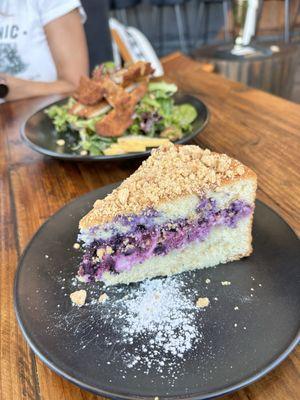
{"x": 226, "y": 283}
{"x": 78, "y": 297}
{"x": 202, "y": 302}
{"x": 102, "y": 298}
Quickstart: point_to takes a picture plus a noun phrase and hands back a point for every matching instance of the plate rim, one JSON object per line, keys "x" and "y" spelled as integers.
{"x": 124, "y": 395}
{"x": 117, "y": 157}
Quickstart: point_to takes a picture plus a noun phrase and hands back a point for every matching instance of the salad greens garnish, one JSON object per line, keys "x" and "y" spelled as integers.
{"x": 156, "y": 115}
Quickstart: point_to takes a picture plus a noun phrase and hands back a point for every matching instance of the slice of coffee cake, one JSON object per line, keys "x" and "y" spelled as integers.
{"x": 184, "y": 208}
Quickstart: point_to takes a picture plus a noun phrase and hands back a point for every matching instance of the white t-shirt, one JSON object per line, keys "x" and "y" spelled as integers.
{"x": 24, "y": 51}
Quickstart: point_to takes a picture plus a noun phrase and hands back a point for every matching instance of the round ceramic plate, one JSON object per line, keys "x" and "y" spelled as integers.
{"x": 250, "y": 326}
{"x": 39, "y": 133}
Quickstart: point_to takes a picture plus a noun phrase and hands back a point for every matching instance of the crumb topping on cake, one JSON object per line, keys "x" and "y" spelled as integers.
{"x": 172, "y": 171}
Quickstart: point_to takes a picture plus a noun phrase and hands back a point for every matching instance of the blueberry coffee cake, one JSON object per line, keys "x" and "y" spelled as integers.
{"x": 184, "y": 208}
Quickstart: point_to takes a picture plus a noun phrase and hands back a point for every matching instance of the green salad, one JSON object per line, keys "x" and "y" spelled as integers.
{"x": 155, "y": 116}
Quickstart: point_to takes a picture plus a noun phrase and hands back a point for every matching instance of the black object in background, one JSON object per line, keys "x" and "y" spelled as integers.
{"x": 97, "y": 31}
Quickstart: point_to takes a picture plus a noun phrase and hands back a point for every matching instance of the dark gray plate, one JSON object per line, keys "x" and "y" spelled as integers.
{"x": 227, "y": 358}
{"x": 39, "y": 133}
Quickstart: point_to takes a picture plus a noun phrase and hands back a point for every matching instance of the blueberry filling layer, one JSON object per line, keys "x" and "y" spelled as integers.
{"x": 145, "y": 238}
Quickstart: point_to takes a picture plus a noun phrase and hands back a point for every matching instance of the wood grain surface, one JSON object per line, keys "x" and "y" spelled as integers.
{"x": 261, "y": 130}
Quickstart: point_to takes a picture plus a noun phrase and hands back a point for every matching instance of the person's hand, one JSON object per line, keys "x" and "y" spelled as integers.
{"x": 15, "y": 85}
{"x": 22, "y": 88}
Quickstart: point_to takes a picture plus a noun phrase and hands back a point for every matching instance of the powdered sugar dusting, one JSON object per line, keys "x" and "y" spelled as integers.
{"x": 160, "y": 308}
{"x": 159, "y": 319}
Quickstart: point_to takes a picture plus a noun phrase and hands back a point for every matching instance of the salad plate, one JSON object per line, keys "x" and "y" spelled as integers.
{"x": 250, "y": 326}
{"x": 39, "y": 133}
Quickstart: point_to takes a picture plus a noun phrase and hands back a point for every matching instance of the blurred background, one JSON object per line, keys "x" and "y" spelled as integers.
{"x": 207, "y": 30}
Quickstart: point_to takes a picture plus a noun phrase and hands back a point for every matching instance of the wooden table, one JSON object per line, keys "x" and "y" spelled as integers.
{"x": 261, "y": 130}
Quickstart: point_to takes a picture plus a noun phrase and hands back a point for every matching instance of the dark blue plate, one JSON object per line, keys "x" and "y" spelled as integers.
{"x": 73, "y": 342}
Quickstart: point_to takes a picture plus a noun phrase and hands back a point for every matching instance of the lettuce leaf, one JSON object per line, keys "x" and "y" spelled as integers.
{"x": 162, "y": 89}
{"x": 184, "y": 115}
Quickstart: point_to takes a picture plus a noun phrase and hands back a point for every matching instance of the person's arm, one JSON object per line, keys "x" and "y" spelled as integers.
{"x": 67, "y": 43}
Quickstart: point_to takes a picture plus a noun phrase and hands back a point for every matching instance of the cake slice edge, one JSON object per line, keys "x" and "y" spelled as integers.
{"x": 171, "y": 208}
{"x": 237, "y": 241}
